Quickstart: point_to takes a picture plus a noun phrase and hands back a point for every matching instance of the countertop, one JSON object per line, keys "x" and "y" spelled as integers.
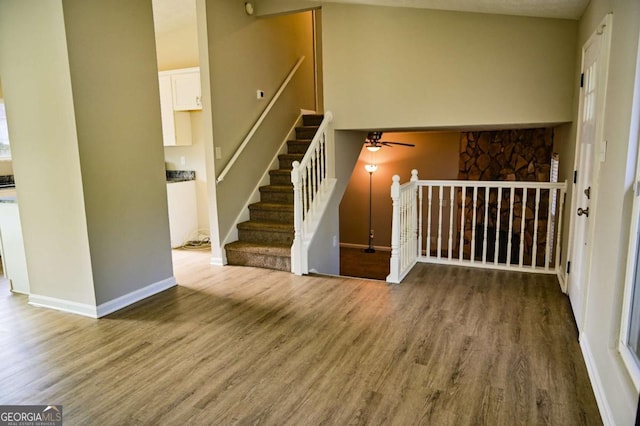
{"x": 180, "y": 175}
{"x": 8, "y": 195}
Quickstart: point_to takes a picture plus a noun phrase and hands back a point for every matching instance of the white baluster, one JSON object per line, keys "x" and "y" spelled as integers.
{"x": 429, "y": 198}
{"x": 463, "y": 216}
{"x": 451, "y": 201}
{"x": 473, "y": 224}
{"x": 498, "y": 217}
{"x": 523, "y": 216}
{"x": 420, "y": 206}
{"x": 440, "y": 189}
{"x": 534, "y": 254}
{"x": 547, "y": 254}
{"x": 414, "y": 216}
{"x": 510, "y": 232}
{"x": 485, "y": 239}
{"x": 559, "y": 233}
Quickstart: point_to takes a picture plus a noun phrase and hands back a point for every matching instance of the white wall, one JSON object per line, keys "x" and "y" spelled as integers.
{"x": 393, "y": 68}
{"x": 618, "y": 397}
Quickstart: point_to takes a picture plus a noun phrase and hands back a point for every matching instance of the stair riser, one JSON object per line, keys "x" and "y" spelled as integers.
{"x": 276, "y": 197}
{"x": 305, "y": 133}
{"x": 260, "y": 215}
{"x": 279, "y": 263}
{"x": 279, "y": 179}
{"x": 312, "y": 120}
{"x": 265, "y": 236}
{"x": 287, "y": 163}
{"x": 294, "y": 147}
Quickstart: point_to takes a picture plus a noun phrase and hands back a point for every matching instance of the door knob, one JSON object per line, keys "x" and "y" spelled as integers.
{"x": 582, "y": 211}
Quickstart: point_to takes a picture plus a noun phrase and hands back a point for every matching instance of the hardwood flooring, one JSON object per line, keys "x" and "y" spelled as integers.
{"x": 237, "y": 345}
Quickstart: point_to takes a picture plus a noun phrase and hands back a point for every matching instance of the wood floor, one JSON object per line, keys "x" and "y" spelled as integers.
{"x": 234, "y": 345}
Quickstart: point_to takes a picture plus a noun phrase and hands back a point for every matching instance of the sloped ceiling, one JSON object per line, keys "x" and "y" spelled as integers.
{"x": 171, "y": 15}
{"x": 564, "y": 9}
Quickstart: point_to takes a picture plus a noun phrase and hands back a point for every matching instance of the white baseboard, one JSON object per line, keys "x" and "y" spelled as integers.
{"x": 217, "y": 261}
{"x": 596, "y": 382}
{"x": 362, "y": 246}
{"x": 63, "y": 305}
{"x": 135, "y": 296}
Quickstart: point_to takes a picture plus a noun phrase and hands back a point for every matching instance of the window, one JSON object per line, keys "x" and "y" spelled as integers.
{"x": 5, "y": 151}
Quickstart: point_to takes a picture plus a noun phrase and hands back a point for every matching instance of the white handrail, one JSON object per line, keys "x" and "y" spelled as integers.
{"x": 257, "y": 124}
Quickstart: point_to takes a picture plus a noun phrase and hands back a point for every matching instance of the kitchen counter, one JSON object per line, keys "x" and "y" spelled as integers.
{"x": 180, "y": 175}
{"x": 8, "y": 195}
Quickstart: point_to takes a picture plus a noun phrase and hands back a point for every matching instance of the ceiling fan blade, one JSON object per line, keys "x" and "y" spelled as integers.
{"x": 389, "y": 143}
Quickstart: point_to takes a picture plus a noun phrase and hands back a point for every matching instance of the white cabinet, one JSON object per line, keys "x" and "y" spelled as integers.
{"x": 176, "y": 125}
{"x": 186, "y": 89}
{"x": 183, "y": 211}
{"x": 179, "y": 94}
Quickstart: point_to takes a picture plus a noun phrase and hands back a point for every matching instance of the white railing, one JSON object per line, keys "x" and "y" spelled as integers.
{"x": 404, "y": 247}
{"x": 313, "y": 179}
{"x": 259, "y": 121}
{"x": 486, "y": 224}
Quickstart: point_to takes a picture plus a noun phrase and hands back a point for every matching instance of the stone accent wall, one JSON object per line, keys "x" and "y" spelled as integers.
{"x": 505, "y": 155}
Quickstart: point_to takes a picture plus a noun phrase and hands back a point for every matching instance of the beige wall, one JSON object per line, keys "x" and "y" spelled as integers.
{"x": 413, "y": 68}
{"x": 46, "y": 157}
{"x": 435, "y": 156}
{"x": 178, "y": 48}
{"x": 246, "y": 54}
{"x": 120, "y": 143}
{"x": 613, "y": 209}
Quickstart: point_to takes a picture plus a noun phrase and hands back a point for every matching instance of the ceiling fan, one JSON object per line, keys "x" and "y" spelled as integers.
{"x": 373, "y": 142}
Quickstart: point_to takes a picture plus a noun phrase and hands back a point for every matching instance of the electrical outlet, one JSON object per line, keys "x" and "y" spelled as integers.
{"x": 218, "y": 153}
{"x": 259, "y": 94}
{"x": 183, "y": 160}
{"x": 335, "y": 241}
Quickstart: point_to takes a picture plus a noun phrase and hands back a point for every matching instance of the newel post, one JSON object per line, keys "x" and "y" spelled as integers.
{"x": 394, "y": 263}
{"x": 296, "y": 247}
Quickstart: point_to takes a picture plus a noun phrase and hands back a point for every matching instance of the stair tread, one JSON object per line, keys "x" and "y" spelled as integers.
{"x": 280, "y": 171}
{"x": 307, "y": 127}
{"x": 272, "y": 206}
{"x": 260, "y": 248}
{"x": 300, "y": 140}
{"x": 266, "y": 226}
{"x": 293, "y": 156}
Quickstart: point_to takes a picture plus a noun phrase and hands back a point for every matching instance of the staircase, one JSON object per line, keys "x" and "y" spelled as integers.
{"x": 265, "y": 240}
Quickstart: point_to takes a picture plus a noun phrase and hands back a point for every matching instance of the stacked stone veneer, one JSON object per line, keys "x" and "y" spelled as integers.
{"x": 505, "y": 155}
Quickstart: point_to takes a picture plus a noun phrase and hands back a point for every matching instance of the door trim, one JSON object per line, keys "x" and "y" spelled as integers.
{"x": 602, "y": 30}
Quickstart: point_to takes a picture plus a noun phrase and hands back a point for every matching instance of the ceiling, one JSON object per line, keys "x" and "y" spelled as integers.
{"x": 170, "y": 15}
{"x": 565, "y": 9}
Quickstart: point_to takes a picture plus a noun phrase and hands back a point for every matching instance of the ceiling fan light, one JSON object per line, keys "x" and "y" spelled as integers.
{"x": 373, "y": 148}
{"x": 370, "y": 168}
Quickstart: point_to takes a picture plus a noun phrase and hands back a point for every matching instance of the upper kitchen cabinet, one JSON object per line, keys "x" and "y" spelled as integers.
{"x": 176, "y": 125}
{"x": 186, "y": 89}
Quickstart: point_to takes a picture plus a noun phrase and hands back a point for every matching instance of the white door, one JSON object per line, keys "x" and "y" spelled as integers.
{"x": 594, "y": 65}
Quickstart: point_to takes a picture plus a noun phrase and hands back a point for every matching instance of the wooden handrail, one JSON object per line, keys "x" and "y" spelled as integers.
{"x": 257, "y": 124}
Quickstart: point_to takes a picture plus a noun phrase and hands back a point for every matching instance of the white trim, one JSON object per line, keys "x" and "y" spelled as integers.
{"x": 596, "y": 382}
{"x": 628, "y": 359}
{"x": 364, "y": 246}
{"x": 217, "y": 261}
{"x": 83, "y": 309}
{"x": 135, "y": 296}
